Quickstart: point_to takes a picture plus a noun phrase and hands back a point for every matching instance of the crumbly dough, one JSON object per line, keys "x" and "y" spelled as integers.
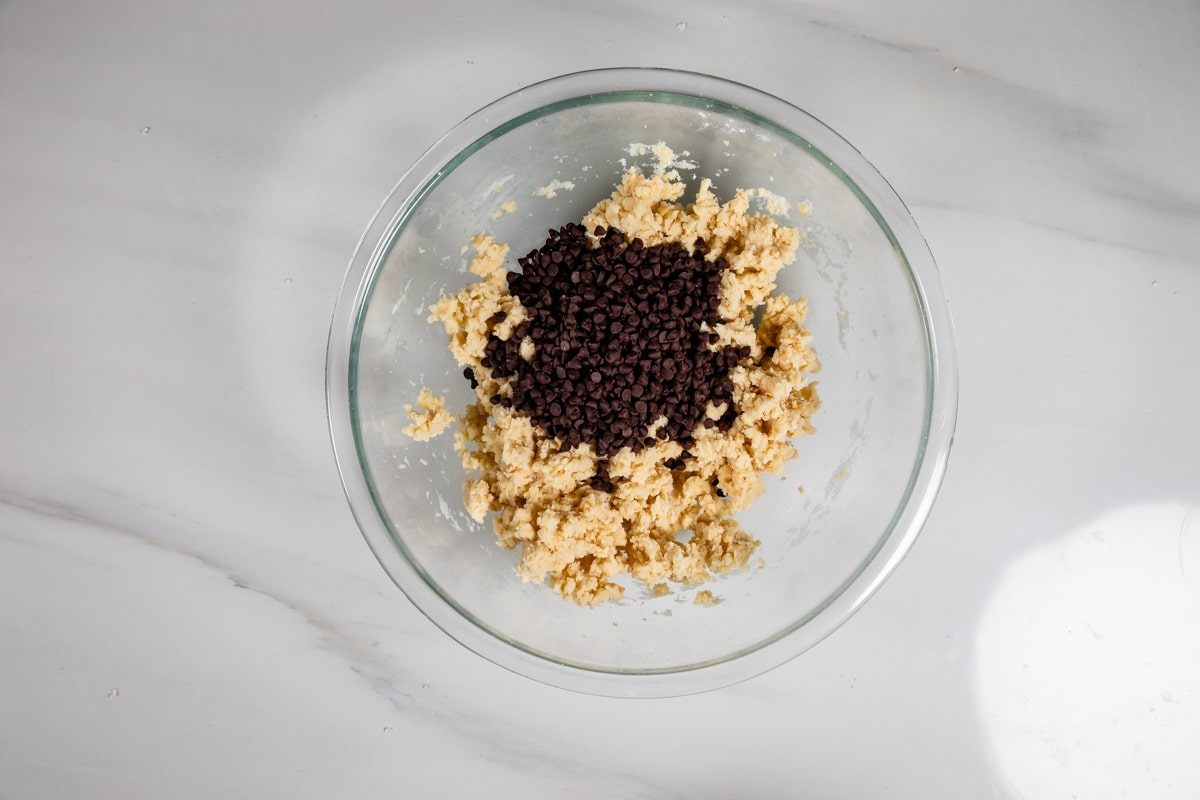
{"x": 705, "y": 598}
{"x": 507, "y": 207}
{"x": 551, "y": 189}
{"x": 432, "y": 419}
{"x": 580, "y": 539}
{"x": 774, "y": 204}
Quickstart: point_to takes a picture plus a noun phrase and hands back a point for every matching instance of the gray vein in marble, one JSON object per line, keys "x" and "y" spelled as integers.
{"x": 1057, "y": 229}
{"x": 1090, "y": 144}
{"x": 1071, "y": 122}
{"x": 491, "y": 739}
{"x": 1068, "y": 124}
{"x": 1139, "y": 190}
{"x": 903, "y": 47}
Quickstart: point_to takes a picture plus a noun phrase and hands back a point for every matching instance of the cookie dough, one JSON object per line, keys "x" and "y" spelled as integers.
{"x": 581, "y": 539}
{"x": 430, "y": 420}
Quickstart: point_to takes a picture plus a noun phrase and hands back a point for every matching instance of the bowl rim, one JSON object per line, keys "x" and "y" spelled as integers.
{"x": 678, "y": 87}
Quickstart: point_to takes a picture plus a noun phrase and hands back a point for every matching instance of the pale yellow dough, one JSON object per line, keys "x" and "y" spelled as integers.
{"x": 432, "y": 419}
{"x": 580, "y": 539}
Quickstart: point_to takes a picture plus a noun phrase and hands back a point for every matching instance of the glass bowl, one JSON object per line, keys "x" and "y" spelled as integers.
{"x": 880, "y": 325}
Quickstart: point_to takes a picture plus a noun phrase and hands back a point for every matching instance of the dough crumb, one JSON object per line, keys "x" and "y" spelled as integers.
{"x": 773, "y": 203}
{"x": 800, "y": 489}
{"x": 552, "y": 188}
{"x": 705, "y": 598}
{"x": 507, "y": 207}
{"x": 805, "y": 207}
{"x": 431, "y": 420}
{"x": 661, "y": 590}
{"x": 663, "y": 155}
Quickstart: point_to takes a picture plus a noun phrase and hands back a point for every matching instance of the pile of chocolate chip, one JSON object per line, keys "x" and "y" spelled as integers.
{"x": 617, "y": 331}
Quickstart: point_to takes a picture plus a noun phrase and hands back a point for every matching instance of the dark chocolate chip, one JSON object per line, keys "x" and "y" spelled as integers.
{"x": 618, "y": 341}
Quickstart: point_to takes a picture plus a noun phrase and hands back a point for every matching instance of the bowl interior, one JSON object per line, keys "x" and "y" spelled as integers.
{"x": 866, "y": 314}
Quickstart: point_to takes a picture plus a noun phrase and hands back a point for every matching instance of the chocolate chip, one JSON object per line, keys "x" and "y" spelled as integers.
{"x": 617, "y": 330}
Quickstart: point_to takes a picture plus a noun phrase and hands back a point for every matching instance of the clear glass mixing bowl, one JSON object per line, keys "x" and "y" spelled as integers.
{"x": 880, "y": 323}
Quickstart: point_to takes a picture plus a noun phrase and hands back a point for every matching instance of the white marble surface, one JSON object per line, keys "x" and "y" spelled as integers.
{"x": 186, "y": 606}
